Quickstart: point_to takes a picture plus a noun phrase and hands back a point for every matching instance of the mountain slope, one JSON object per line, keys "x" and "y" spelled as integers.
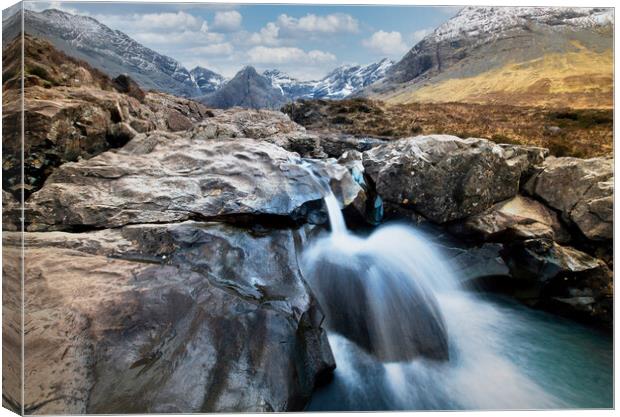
{"x": 108, "y": 50}
{"x": 246, "y": 89}
{"x": 504, "y": 55}
{"x": 206, "y": 80}
{"x": 338, "y": 84}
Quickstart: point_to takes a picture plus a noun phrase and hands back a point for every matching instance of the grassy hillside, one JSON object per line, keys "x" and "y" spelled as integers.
{"x": 580, "y": 79}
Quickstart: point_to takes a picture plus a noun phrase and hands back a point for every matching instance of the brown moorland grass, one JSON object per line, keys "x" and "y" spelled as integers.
{"x": 583, "y": 78}
{"x": 565, "y": 132}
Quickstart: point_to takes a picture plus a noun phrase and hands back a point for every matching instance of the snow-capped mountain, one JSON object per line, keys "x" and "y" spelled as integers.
{"x": 345, "y": 80}
{"x": 109, "y": 50}
{"x": 488, "y": 21}
{"x": 511, "y": 55}
{"x": 206, "y": 80}
{"x": 338, "y": 84}
{"x": 290, "y": 87}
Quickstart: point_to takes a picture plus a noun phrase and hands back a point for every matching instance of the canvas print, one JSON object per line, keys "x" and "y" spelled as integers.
{"x": 300, "y": 207}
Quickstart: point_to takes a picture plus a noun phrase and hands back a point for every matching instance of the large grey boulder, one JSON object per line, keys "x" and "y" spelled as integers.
{"x": 446, "y": 178}
{"x": 166, "y": 177}
{"x": 174, "y": 318}
{"x": 581, "y": 189}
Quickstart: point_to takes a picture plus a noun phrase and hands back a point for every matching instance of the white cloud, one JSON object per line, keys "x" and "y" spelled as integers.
{"x": 388, "y": 43}
{"x": 288, "y": 55}
{"x": 266, "y": 36}
{"x": 39, "y": 7}
{"x": 311, "y": 23}
{"x": 167, "y": 33}
{"x": 286, "y": 27}
{"x": 450, "y": 10}
{"x": 223, "y": 48}
{"x": 418, "y": 35}
{"x": 160, "y": 22}
{"x": 227, "y": 21}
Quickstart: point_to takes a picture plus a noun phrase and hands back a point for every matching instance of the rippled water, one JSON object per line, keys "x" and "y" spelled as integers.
{"x": 502, "y": 355}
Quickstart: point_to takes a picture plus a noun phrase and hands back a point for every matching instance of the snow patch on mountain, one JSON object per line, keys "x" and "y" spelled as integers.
{"x": 207, "y": 80}
{"x": 114, "y": 52}
{"x": 474, "y": 21}
{"x": 338, "y": 84}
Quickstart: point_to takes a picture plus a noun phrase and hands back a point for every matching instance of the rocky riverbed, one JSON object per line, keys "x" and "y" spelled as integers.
{"x": 162, "y": 273}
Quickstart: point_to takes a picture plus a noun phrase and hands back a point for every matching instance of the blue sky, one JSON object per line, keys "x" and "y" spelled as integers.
{"x": 303, "y": 40}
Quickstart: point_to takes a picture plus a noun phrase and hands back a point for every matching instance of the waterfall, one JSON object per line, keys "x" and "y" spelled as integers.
{"x": 374, "y": 293}
{"x": 336, "y": 220}
{"x": 404, "y": 334}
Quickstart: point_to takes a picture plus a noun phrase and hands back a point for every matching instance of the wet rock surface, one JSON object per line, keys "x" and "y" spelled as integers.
{"x": 419, "y": 331}
{"x": 187, "y": 317}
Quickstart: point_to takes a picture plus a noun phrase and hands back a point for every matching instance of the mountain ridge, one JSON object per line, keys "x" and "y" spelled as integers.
{"x": 483, "y": 47}
{"x": 337, "y": 84}
{"x": 114, "y": 52}
{"x": 106, "y": 49}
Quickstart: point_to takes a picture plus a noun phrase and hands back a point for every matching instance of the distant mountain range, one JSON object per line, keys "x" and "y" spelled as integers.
{"x": 206, "y": 80}
{"x": 273, "y": 88}
{"x": 115, "y": 53}
{"x": 509, "y": 55}
{"x": 338, "y": 84}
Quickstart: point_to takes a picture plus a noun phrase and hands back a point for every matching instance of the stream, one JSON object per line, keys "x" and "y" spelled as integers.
{"x": 392, "y": 302}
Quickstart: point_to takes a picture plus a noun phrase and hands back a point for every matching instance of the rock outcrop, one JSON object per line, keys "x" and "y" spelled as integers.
{"x": 187, "y": 317}
{"x": 446, "y": 178}
{"x": 72, "y": 111}
{"x": 277, "y": 128}
{"x": 580, "y": 189}
{"x": 165, "y": 177}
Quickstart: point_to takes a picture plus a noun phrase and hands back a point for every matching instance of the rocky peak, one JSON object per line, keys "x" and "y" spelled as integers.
{"x": 487, "y": 40}
{"x": 247, "y": 89}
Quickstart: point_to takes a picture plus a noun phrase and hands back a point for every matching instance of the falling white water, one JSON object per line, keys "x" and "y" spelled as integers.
{"x": 380, "y": 293}
{"x": 336, "y": 220}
